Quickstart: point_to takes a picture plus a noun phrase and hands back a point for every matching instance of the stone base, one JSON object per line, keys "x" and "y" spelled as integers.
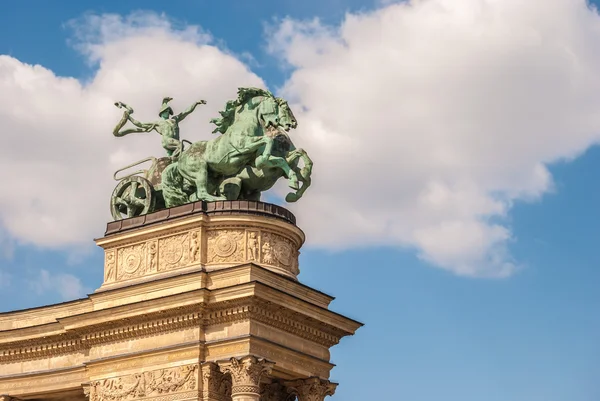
{"x": 196, "y": 304}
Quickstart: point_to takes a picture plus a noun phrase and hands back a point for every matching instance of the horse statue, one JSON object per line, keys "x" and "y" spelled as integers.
{"x": 251, "y": 181}
{"x": 252, "y": 152}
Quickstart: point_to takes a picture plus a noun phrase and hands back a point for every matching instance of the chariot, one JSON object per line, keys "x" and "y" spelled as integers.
{"x": 139, "y": 192}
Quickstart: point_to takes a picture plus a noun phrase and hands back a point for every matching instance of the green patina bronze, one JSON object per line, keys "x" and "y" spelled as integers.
{"x": 251, "y": 153}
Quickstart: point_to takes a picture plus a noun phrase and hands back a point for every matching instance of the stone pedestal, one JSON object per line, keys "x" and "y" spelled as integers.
{"x": 199, "y": 302}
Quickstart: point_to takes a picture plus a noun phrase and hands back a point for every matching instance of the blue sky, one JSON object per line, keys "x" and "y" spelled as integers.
{"x": 436, "y": 328}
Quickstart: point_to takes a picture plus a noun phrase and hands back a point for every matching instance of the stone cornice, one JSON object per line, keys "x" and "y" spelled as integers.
{"x": 250, "y": 301}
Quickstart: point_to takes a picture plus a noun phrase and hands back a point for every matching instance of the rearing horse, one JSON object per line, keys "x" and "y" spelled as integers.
{"x": 244, "y": 125}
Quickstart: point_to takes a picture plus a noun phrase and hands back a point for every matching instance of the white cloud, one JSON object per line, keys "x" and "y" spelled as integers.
{"x": 58, "y": 153}
{"x": 427, "y": 120}
{"x": 66, "y": 285}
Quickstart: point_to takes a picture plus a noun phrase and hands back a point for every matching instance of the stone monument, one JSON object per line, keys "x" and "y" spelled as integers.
{"x": 200, "y": 298}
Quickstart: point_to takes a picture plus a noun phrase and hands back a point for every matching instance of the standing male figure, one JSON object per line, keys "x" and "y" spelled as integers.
{"x": 167, "y": 127}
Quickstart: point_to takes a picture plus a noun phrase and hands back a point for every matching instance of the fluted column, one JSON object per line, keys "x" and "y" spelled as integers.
{"x": 311, "y": 389}
{"x": 216, "y": 386}
{"x": 245, "y": 377}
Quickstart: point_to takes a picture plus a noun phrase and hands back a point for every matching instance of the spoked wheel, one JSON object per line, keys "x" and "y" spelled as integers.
{"x": 133, "y": 196}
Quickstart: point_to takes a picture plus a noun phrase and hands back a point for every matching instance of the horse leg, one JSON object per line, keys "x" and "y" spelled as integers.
{"x": 304, "y": 174}
{"x": 172, "y": 184}
{"x": 201, "y": 180}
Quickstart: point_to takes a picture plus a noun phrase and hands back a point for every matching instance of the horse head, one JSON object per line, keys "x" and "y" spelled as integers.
{"x": 287, "y": 120}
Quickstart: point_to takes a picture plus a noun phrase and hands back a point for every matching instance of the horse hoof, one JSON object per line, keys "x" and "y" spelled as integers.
{"x": 291, "y": 197}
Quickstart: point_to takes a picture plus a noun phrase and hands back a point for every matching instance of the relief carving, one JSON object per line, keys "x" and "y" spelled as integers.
{"x": 152, "y": 249}
{"x": 146, "y": 384}
{"x": 110, "y": 267}
{"x": 279, "y": 251}
{"x": 252, "y": 245}
{"x": 225, "y": 246}
{"x": 194, "y": 247}
{"x": 172, "y": 252}
{"x": 131, "y": 262}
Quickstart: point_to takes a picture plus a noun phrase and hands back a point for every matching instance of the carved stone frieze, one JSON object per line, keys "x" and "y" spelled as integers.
{"x": 145, "y": 384}
{"x": 131, "y": 261}
{"x": 311, "y": 389}
{"x": 225, "y": 246}
{"x": 279, "y": 251}
{"x": 173, "y": 252}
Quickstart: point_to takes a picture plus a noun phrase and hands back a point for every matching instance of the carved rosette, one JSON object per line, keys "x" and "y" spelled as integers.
{"x": 173, "y": 252}
{"x": 216, "y": 386}
{"x": 225, "y": 246}
{"x": 311, "y": 389}
{"x": 246, "y": 374}
{"x": 131, "y": 261}
{"x": 146, "y": 384}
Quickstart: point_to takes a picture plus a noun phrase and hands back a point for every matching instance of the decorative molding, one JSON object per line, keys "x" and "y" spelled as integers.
{"x": 146, "y": 384}
{"x": 311, "y": 389}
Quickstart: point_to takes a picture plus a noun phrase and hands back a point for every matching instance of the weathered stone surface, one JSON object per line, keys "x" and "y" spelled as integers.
{"x": 180, "y": 297}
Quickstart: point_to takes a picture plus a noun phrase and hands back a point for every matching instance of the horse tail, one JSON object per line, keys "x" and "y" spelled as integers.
{"x": 172, "y": 184}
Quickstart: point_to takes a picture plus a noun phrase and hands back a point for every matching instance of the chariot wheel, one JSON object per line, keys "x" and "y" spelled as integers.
{"x": 133, "y": 196}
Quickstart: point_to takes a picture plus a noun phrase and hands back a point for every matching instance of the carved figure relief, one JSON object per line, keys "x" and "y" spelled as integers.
{"x": 225, "y": 246}
{"x": 172, "y": 252}
{"x": 252, "y": 245}
{"x": 131, "y": 262}
{"x": 152, "y": 257}
{"x": 146, "y": 384}
{"x": 267, "y": 254}
{"x": 194, "y": 247}
{"x": 109, "y": 267}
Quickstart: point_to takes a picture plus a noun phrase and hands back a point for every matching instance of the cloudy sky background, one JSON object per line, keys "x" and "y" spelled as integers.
{"x": 455, "y": 184}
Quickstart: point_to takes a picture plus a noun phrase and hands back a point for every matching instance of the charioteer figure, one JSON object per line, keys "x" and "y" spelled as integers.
{"x": 167, "y": 127}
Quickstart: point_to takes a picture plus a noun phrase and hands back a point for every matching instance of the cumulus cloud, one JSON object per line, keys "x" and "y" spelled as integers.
{"x": 66, "y": 285}
{"x": 428, "y": 119}
{"x": 58, "y": 153}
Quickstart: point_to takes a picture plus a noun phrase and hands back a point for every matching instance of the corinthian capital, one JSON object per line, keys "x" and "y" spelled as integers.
{"x": 311, "y": 389}
{"x": 246, "y": 373}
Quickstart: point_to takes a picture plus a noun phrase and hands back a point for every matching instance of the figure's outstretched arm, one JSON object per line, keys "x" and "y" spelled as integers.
{"x": 184, "y": 114}
{"x": 146, "y": 127}
{"x": 142, "y": 127}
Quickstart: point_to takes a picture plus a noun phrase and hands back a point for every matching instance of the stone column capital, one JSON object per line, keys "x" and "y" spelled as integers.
{"x": 215, "y": 385}
{"x": 246, "y": 373}
{"x": 311, "y": 389}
